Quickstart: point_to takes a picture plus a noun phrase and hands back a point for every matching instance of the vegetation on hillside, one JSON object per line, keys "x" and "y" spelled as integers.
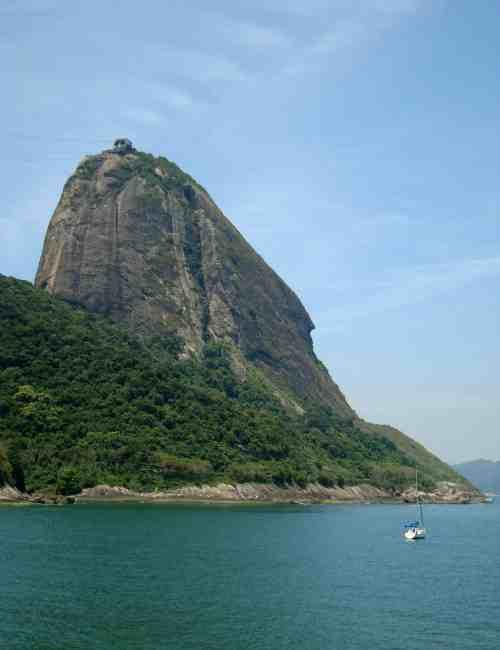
{"x": 157, "y": 172}
{"x": 83, "y": 403}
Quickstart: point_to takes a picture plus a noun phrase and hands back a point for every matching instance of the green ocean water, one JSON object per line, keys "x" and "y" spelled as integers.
{"x": 139, "y": 576}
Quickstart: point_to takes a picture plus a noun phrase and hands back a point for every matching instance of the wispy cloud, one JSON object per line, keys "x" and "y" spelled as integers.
{"x": 143, "y": 116}
{"x": 28, "y": 7}
{"x": 254, "y": 36}
{"x": 171, "y": 96}
{"x": 403, "y": 287}
{"x": 310, "y": 35}
{"x": 348, "y": 27}
{"x": 344, "y": 34}
{"x": 395, "y": 6}
{"x": 308, "y": 8}
{"x": 198, "y": 65}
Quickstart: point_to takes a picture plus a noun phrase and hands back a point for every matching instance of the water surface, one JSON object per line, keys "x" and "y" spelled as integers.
{"x": 149, "y": 577}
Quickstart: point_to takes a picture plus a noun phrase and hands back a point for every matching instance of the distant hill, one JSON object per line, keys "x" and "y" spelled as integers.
{"x": 485, "y": 474}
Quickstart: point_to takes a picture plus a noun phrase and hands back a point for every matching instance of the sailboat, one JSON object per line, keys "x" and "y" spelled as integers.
{"x": 416, "y": 529}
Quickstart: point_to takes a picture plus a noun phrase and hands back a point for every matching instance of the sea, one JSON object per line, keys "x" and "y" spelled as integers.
{"x": 134, "y": 576}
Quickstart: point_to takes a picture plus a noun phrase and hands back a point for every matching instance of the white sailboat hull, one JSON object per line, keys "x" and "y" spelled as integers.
{"x": 416, "y": 529}
{"x": 415, "y": 533}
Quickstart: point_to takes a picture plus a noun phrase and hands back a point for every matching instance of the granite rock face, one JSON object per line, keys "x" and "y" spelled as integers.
{"x": 137, "y": 239}
{"x": 445, "y": 492}
{"x": 312, "y": 493}
{"x": 8, "y": 493}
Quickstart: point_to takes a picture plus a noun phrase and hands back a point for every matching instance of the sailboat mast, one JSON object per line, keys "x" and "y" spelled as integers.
{"x": 421, "y": 512}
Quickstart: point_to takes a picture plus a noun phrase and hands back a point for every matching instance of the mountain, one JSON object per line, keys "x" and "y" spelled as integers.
{"x": 135, "y": 238}
{"x": 83, "y": 402}
{"x": 485, "y": 474}
{"x": 158, "y": 348}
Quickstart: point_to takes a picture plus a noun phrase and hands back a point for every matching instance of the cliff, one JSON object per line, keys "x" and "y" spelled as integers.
{"x": 135, "y": 238}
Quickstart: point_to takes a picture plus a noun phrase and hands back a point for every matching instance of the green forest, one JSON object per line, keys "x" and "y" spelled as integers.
{"x": 84, "y": 403}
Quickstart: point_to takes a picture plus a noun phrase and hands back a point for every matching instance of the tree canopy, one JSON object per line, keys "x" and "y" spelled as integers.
{"x": 83, "y": 403}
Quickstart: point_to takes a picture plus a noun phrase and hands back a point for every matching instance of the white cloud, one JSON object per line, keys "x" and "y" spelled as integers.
{"x": 347, "y": 27}
{"x": 171, "y": 96}
{"x": 403, "y": 287}
{"x": 143, "y": 115}
{"x": 199, "y": 65}
{"x": 345, "y": 34}
{"x": 305, "y": 8}
{"x": 314, "y": 33}
{"x": 28, "y": 7}
{"x": 396, "y": 6}
{"x": 254, "y": 36}
{"x": 313, "y": 8}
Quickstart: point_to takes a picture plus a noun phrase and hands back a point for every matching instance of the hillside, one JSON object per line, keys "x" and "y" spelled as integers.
{"x": 159, "y": 349}
{"x": 82, "y": 402}
{"x": 136, "y": 238}
{"x": 485, "y": 474}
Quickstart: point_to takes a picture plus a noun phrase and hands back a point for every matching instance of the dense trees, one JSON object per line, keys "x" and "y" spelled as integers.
{"x": 82, "y": 403}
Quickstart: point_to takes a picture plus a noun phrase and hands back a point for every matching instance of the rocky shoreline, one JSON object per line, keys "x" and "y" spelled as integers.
{"x": 9, "y": 494}
{"x": 312, "y": 493}
{"x": 446, "y": 492}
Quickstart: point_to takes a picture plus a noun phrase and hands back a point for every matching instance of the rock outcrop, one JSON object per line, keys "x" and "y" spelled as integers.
{"x": 9, "y": 493}
{"x": 312, "y": 493}
{"x": 137, "y": 239}
{"x": 445, "y": 492}
{"x": 242, "y": 492}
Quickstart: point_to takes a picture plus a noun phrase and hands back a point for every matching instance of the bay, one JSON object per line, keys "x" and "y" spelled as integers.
{"x": 151, "y": 576}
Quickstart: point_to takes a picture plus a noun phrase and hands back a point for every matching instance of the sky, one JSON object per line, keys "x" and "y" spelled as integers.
{"x": 354, "y": 143}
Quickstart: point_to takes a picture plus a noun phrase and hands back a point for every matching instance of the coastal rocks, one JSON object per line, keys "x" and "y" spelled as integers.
{"x": 13, "y": 495}
{"x": 243, "y": 492}
{"x": 267, "y": 492}
{"x": 449, "y": 492}
{"x": 270, "y": 492}
{"x": 445, "y": 492}
{"x": 51, "y": 499}
{"x": 107, "y": 492}
{"x": 8, "y": 493}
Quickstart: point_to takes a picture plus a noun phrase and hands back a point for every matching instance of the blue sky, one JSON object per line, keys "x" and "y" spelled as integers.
{"x": 355, "y": 144}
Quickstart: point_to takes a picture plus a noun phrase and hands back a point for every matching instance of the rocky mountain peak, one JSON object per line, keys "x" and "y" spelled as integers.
{"x": 138, "y": 239}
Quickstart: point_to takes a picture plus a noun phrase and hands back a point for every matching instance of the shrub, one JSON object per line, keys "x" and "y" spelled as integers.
{"x": 250, "y": 473}
{"x": 69, "y": 481}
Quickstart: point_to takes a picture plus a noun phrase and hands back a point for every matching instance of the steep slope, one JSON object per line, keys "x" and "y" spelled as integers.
{"x": 485, "y": 474}
{"x": 137, "y": 239}
{"x": 83, "y": 403}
